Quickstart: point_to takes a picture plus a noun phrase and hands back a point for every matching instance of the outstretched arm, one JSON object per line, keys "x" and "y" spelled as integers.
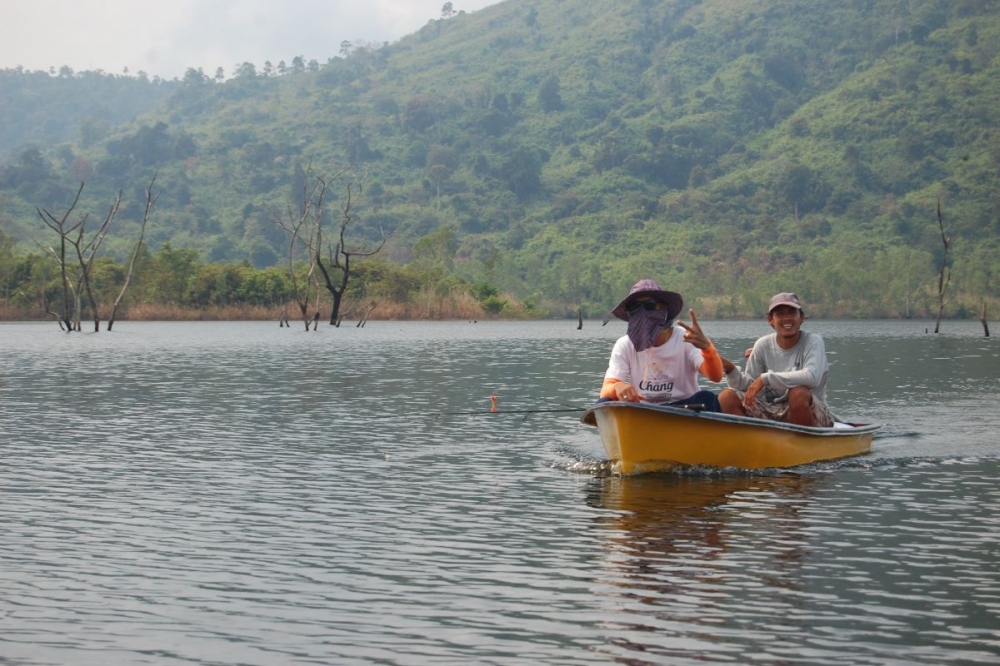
{"x": 736, "y": 378}
{"x": 711, "y": 365}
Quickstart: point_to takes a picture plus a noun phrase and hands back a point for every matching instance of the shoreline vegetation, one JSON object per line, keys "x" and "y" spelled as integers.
{"x": 452, "y": 307}
{"x": 173, "y": 285}
{"x": 461, "y": 306}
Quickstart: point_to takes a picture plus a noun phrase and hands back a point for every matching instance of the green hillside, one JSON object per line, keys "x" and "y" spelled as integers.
{"x": 43, "y": 109}
{"x": 730, "y": 150}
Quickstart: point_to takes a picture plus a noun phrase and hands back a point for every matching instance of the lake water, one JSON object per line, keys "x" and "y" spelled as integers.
{"x": 239, "y": 493}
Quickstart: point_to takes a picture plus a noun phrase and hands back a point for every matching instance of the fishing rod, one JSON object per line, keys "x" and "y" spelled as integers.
{"x": 487, "y": 412}
{"x": 512, "y": 411}
{"x": 494, "y": 410}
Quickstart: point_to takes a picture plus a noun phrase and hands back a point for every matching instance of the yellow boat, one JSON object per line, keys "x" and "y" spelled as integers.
{"x": 642, "y": 437}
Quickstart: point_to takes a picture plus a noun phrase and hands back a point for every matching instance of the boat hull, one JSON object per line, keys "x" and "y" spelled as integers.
{"x": 644, "y": 438}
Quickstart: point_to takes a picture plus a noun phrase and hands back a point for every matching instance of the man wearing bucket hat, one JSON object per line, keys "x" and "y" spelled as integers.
{"x": 785, "y": 377}
{"x": 652, "y": 363}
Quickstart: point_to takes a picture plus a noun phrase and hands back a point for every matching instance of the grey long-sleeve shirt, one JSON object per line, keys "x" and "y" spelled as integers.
{"x": 781, "y": 369}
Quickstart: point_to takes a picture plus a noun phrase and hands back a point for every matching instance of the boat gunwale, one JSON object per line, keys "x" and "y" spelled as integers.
{"x": 816, "y": 431}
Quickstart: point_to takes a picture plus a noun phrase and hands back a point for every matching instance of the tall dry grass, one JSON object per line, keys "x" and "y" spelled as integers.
{"x": 158, "y": 312}
{"x": 452, "y": 306}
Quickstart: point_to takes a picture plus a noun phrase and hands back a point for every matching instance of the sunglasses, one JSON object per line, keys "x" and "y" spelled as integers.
{"x": 648, "y": 306}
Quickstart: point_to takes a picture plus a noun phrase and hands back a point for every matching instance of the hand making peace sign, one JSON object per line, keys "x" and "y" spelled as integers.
{"x": 694, "y": 333}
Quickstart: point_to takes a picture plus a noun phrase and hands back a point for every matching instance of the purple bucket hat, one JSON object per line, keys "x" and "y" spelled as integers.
{"x": 650, "y": 289}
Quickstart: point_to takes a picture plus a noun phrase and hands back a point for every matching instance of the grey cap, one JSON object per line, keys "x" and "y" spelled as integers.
{"x": 784, "y": 298}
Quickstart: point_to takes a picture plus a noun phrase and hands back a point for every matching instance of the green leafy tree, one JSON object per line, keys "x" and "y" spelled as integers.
{"x": 169, "y": 274}
{"x": 523, "y": 172}
{"x": 549, "y": 95}
{"x": 419, "y": 113}
{"x": 441, "y": 163}
{"x": 437, "y": 248}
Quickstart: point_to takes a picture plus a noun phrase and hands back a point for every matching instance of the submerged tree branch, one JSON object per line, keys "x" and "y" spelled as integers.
{"x": 150, "y": 200}
{"x": 942, "y": 279}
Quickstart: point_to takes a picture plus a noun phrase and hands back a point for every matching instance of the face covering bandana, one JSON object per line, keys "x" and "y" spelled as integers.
{"x": 645, "y": 326}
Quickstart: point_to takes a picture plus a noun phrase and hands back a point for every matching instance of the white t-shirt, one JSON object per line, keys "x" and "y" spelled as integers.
{"x": 661, "y": 374}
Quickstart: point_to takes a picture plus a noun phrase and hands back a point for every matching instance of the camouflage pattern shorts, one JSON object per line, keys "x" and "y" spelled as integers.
{"x": 778, "y": 411}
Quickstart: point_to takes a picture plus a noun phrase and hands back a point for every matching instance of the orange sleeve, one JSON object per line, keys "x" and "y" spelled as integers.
{"x": 608, "y": 388}
{"x": 711, "y": 365}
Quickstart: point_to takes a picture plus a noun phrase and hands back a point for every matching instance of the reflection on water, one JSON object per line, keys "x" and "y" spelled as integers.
{"x": 660, "y": 519}
{"x": 240, "y": 493}
{"x": 683, "y": 551}
{"x": 841, "y": 567}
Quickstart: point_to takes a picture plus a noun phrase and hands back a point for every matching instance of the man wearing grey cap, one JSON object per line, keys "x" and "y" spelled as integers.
{"x": 785, "y": 377}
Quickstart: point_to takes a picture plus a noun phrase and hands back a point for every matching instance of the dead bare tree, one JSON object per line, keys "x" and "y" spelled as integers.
{"x": 986, "y": 326}
{"x": 64, "y": 228}
{"x": 369, "y": 308}
{"x": 337, "y": 269}
{"x": 304, "y": 231}
{"x": 86, "y": 252}
{"x": 306, "y": 234}
{"x": 348, "y": 307}
{"x": 945, "y": 276}
{"x": 78, "y": 277}
{"x": 150, "y": 200}
{"x": 86, "y": 249}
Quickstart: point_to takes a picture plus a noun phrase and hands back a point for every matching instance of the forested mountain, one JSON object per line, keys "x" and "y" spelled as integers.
{"x": 47, "y": 109}
{"x": 562, "y": 150}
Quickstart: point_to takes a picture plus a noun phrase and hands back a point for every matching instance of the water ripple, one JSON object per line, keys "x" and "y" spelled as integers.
{"x": 218, "y": 494}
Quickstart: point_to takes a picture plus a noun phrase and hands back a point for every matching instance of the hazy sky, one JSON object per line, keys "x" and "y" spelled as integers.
{"x": 165, "y": 37}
